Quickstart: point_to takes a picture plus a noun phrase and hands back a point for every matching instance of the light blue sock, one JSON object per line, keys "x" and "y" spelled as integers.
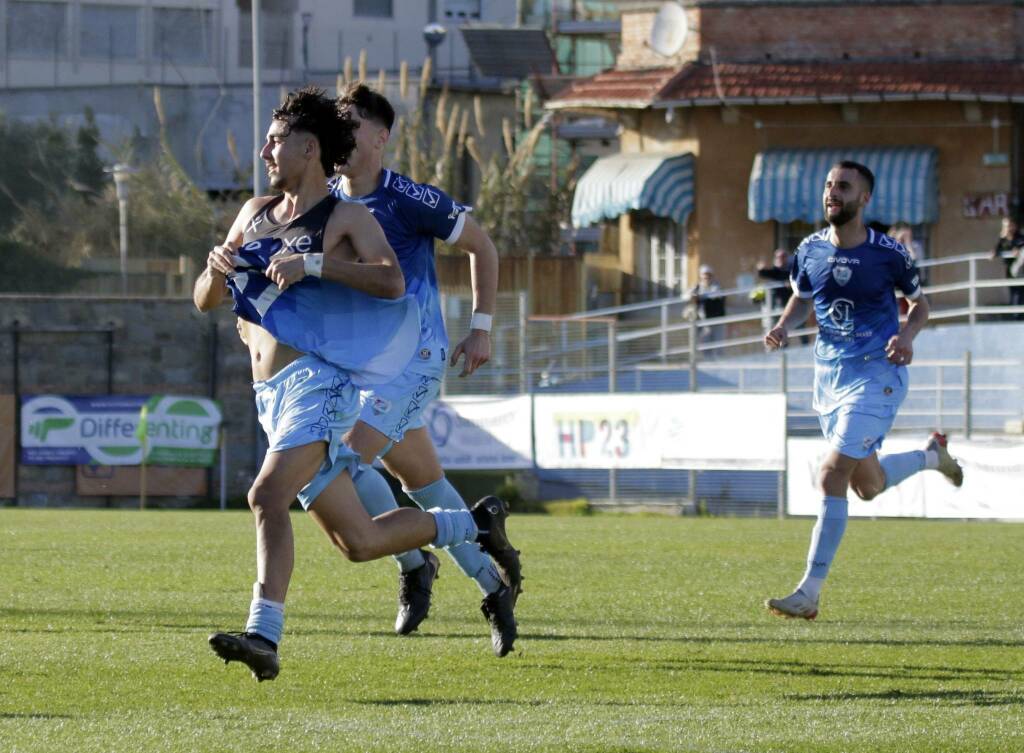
{"x": 453, "y": 527}
{"x": 266, "y": 617}
{"x": 377, "y": 497}
{"x": 901, "y": 466}
{"x": 827, "y": 534}
{"x": 468, "y": 556}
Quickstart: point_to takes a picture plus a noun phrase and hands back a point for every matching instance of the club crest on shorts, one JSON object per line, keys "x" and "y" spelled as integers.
{"x": 842, "y": 274}
{"x": 425, "y": 354}
{"x": 380, "y": 406}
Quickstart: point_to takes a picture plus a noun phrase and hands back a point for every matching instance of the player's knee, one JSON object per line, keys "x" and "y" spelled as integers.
{"x": 265, "y": 497}
{"x": 866, "y": 491}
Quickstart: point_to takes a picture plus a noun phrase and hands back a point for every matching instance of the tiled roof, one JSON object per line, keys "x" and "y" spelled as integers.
{"x": 617, "y": 89}
{"x": 798, "y": 83}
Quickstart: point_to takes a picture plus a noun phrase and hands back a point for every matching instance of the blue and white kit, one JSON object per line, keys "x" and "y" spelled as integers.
{"x": 857, "y": 390}
{"x": 412, "y": 215}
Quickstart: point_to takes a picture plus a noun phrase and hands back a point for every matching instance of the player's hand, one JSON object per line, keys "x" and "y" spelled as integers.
{"x": 477, "y": 349}
{"x": 900, "y": 350}
{"x": 221, "y": 260}
{"x": 776, "y": 338}
{"x": 285, "y": 268}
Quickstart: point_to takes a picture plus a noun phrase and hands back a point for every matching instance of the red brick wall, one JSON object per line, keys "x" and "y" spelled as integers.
{"x": 834, "y": 32}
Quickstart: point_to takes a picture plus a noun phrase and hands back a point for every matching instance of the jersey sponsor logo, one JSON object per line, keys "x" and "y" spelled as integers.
{"x": 840, "y": 313}
{"x": 297, "y": 245}
{"x": 848, "y": 260}
{"x": 255, "y": 222}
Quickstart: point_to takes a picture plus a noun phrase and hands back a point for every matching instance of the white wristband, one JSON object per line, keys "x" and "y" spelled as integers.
{"x": 313, "y": 264}
{"x": 481, "y": 321}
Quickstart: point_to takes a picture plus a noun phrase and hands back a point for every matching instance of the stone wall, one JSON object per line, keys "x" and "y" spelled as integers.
{"x": 152, "y": 346}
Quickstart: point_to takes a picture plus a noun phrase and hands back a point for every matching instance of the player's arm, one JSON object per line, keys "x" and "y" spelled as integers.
{"x": 796, "y": 312}
{"x": 900, "y": 348}
{"x": 483, "y": 270}
{"x": 375, "y": 270}
{"x": 211, "y": 286}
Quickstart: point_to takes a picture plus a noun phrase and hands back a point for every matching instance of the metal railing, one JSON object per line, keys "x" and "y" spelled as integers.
{"x": 663, "y": 345}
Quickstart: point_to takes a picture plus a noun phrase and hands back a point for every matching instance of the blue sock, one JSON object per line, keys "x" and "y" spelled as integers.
{"x": 827, "y": 534}
{"x": 377, "y": 497}
{"x": 266, "y": 617}
{"x": 453, "y": 527}
{"x": 901, "y": 466}
{"x": 468, "y": 556}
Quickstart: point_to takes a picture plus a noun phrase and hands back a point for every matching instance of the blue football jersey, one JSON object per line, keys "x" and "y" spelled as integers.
{"x": 371, "y": 338}
{"x": 412, "y": 216}
{"x": 853, "y": 290}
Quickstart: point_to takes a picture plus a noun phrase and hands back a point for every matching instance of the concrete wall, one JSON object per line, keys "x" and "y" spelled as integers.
{"x": 159, "y": 346}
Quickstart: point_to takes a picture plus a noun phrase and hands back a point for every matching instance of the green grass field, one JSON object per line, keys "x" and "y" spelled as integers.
{"x": 637, "y": 634}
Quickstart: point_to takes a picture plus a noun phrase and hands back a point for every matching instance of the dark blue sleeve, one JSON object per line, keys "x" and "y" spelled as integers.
{"x": 908, "y": 280}
{"x": 433, "y": 212}
{"x": 798, "y": 278}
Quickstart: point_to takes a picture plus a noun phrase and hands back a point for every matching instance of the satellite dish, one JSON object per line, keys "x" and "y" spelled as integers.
{"x": 668, "y": 32}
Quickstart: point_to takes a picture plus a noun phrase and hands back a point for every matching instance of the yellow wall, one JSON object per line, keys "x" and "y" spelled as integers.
{"x": 720, "y": 233}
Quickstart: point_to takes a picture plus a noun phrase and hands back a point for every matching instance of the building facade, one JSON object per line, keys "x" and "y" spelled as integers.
{"x": 765, "y": 95}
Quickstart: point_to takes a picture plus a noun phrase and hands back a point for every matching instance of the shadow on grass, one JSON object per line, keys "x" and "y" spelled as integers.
{"x": 952, "y": 697}
{"x": 30, "y": 715}
{"x": 809, "y": 669}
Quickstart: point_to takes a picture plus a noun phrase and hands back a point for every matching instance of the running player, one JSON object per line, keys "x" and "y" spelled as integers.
{"x": 849, "y": 273}
{"x": 306, "y": 403}
{"x": 391, "y": 423}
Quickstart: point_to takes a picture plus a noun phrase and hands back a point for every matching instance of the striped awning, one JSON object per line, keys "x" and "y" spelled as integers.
{"x": 660, "y": 183}
{"x": 786, "y": 184}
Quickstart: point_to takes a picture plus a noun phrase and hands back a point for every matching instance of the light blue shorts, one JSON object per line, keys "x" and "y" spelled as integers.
{"x": 396, "y": 407}
{"x": 308, "y": 401}
{"x": 854, "y": 433}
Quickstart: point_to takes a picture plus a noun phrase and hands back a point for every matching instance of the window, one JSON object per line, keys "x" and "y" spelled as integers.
{"x": 109, "y": 31}
{"x": 275, "y": 39}
{"x": 462, "y": 10}
{"x": 788, "y": 235}
{"x": 667, "y": 256}
{"x": 373, "y": 8}
{"x": 183, "y": 35}
{"x": 36, "y": 29}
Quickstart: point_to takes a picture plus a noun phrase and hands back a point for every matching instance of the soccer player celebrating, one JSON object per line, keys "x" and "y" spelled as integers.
{"x": 312, "y": 343}
{"x": 849, "y": 273}
{"x": 390, "y": 425}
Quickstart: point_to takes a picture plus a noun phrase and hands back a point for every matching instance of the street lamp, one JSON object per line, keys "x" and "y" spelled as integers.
{"x": 433, "y": 35}
{"x": 121, "y": 171}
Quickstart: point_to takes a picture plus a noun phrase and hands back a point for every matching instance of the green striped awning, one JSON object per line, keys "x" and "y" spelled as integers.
{"x": 663, "y": 184}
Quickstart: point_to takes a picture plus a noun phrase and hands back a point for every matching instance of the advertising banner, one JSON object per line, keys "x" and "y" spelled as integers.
{"x": 113, "y": 429}
{"x": 473, "y": 433}
{"x": 664, "y": 430}
{"x": 993, "y": 482}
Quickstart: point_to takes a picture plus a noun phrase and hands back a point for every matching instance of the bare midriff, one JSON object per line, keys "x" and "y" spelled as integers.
{"x": 268, "y": 356}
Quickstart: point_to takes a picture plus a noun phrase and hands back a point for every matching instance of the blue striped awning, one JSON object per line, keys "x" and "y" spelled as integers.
{"x": 786, "y": 184}
{"x": 660, "y": 183}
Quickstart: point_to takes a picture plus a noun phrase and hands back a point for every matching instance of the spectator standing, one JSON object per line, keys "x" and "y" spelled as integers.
{"x": 1010, "y": 248}
{"x": 707, "y": 298}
